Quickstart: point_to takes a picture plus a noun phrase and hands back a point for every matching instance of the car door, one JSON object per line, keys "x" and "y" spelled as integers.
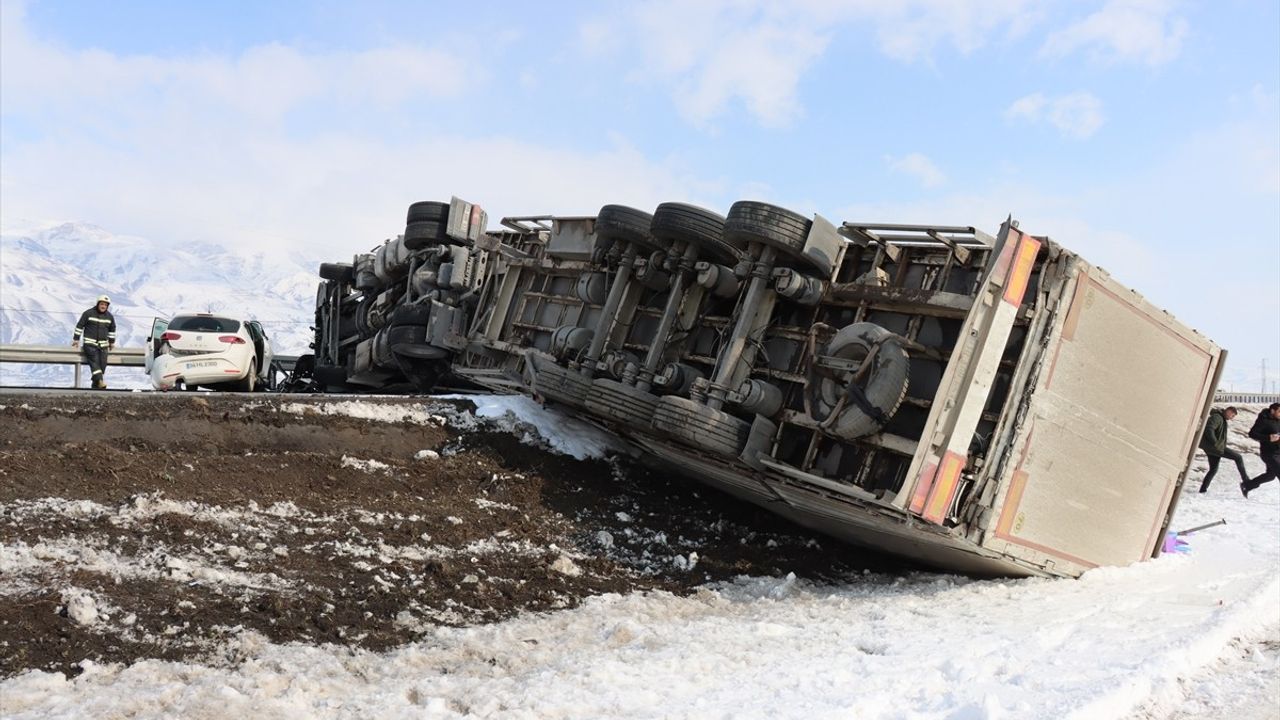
{"x": 158, "y": 326}
{"x": 262, "y": 345}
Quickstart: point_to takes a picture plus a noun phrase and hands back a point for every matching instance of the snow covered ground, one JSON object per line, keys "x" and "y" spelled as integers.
{"x": 1194, "y": 635}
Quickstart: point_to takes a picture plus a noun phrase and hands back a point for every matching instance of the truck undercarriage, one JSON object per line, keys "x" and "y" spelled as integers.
{"x": 978, "y": 403}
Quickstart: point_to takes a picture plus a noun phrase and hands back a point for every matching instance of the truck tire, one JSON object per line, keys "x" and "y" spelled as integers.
{"x": 673, "y": 221}
{"x": 622, "y": 404}
{"x": 341, "y": 272}
{"x": 558, "y": 384}
{"x": 427, "y": 210}
{"x": 410, "y": 341}
{"x": 330, "y": 375}
{"x": 698, "y": 425}
{"x": 413, "y": 314}
{"x": 619, "y": 223}
{"x": 883, "y": 390}
{"x": 424, "y": 234}
{"x": 750, "y": 221}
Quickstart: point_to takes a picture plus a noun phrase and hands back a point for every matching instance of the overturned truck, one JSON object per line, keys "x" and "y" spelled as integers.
{"x": 992, "y": 405}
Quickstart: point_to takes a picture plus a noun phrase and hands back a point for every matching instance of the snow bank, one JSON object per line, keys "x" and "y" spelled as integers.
{"x": 533, "y": 422}
{"x": 519, "y": 415}
{"x": 1117, "y": 641}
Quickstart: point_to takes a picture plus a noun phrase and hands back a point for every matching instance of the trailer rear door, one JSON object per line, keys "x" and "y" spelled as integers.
{"x": 1112, "y": 425}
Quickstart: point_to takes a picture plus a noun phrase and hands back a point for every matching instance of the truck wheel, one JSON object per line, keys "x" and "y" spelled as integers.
{"x": 328, "y": 376}
{"x": 427, "y": 210}
{"x": 410, "y": 341}
{"x": 883, "y": 388}
{"x": 622, "y": 404}
{"x": 558, "y": 384}
{"x": 619, "y": 223}
{"x": 698, "y": 425}
{"x": 424, "y": 234}
{"x": 414, "y": 314}
{"x": 777, "y": 227}
{"x": 341, "y": 272}
{"x": 697, "y": 226}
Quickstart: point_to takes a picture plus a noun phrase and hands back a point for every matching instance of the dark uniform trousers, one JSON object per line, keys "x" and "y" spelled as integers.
{"x": 96, "y": 356}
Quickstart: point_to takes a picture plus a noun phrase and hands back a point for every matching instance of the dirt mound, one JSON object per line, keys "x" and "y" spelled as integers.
{"x": 163, "y": 526}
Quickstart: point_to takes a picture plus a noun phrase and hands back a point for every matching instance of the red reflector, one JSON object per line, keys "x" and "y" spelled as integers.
{"x": 237, "y": 372}
{"x": 231, "y": 339}
{"x": 170, "y": 336}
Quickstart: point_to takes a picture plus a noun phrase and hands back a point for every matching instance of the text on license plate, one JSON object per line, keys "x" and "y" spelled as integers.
{"x": 200, "y": 364}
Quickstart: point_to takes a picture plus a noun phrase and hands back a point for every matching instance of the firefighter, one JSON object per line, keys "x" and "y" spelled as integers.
{"x": 97, "y": 329}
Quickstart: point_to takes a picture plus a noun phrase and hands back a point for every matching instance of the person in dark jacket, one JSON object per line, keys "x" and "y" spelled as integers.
{"x": 1266, "y": 430}
{"x": 97, "y": 331}
{"x": 1214, "y": 444}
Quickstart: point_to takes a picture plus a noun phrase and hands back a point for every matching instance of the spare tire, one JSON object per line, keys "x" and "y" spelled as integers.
{"x": 697, "y": 226}
{"x": 427, "y": 210}
{"x": 850, "y": 410}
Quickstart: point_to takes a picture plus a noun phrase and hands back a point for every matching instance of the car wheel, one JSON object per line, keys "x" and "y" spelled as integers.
{"x": 250, "y": 382}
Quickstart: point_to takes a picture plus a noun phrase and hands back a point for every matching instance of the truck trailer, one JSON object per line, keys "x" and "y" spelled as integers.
{"x": 993, "y": 405}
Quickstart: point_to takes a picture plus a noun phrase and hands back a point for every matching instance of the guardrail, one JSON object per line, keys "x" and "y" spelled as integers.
{"x": 1246, "y": 398}
{"x": 122, "y": 356}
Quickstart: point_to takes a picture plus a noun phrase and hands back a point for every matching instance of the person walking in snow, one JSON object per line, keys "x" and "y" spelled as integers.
{"x": 1214, "y": 444}
{"x": 97, "y": 330}
{"x": 1266, "y": 430}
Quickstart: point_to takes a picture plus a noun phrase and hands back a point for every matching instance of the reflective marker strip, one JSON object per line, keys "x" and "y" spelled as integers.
{"x": 944, "y": 488}
{"x": 1016, "y": 286}
{"x": 922, "y": 488}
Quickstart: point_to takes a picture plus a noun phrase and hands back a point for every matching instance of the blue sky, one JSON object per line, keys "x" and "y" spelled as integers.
{"x": 1144, "y": 134}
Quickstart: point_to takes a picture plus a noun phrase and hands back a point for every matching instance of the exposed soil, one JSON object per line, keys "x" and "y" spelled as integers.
{"x": 138, "y": 526}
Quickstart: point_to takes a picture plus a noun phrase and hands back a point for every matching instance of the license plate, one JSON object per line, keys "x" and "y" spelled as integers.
{"x": 200, "y": 364}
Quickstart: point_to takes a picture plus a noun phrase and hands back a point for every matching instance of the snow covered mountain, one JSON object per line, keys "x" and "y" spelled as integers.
{"x": 49, "y": 276}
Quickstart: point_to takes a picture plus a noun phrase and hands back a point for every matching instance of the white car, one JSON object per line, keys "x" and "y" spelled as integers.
{"x": 206, "y": 350}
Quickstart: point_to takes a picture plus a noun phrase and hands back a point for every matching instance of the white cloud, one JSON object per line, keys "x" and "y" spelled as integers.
{"x": 1076, "y": 115}
{"x": 261, "y": 84}
{"x": 717, "y": 53}
{"x": 714, "y": 54}
{"x": 919, "y": 167}
{"x": 1144, "y": 31}
{"x": 913, "y": 31}
{"x": 207, "y": 148}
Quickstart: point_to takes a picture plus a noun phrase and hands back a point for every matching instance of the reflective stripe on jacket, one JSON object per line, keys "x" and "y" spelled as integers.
{"x": 96, "y": 328}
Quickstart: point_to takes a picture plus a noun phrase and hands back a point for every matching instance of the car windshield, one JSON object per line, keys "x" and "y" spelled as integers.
{"x": 204, "y": 323}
